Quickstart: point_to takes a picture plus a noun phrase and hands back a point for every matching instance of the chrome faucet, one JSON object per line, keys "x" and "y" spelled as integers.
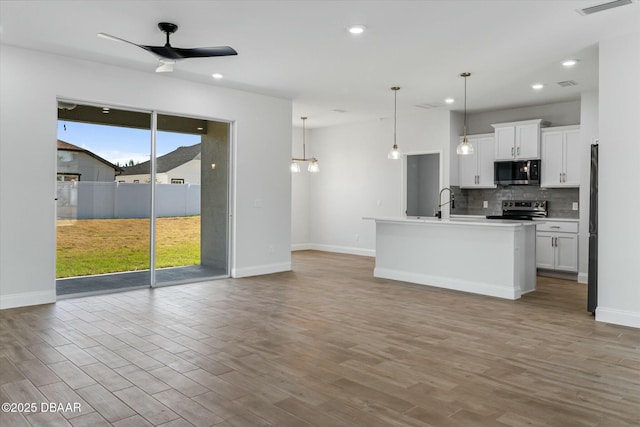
{"x": 440, "y": 204}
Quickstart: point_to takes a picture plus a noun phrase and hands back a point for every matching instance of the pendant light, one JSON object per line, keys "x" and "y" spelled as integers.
{"x": 394, "y": 154}
{"x": 464, "y": 148}
{"x": 313, "y": 162}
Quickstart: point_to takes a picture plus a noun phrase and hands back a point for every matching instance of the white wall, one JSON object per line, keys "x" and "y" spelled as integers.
{"x": 559, "y": 114}
{"x": 300, "y": 195}
{"x": 28, "y": 116}
{"x": 588, "y": 131}
{"x": 619, "y": 186}
{"x": 356, "y": 178}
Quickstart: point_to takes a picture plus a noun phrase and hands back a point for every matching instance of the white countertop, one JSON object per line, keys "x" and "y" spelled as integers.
{"x": 461, "y": 220}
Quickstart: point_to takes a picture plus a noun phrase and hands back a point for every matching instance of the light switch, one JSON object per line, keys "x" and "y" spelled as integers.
{"x": 574, "y": 206}
{"x": 485, "y": 204}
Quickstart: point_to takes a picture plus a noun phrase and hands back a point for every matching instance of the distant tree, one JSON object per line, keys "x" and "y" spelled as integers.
{"x": 131, "y": 163}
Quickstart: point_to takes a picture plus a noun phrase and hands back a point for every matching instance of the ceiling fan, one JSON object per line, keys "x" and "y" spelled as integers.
{"x": 169, "y": 55}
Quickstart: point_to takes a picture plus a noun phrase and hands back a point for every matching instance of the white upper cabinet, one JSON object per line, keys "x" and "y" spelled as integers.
{"x": 476, "y": 170}
{"x": 518, "y": 140}
{"x": 560, "y": 157}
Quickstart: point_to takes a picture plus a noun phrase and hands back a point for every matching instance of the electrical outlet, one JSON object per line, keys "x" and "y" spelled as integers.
{"x": 485, "y": 204}
{"x": 574, "y": 206}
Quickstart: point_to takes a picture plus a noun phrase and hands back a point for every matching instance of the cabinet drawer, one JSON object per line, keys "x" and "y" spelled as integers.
{"x": 558, "y": 227}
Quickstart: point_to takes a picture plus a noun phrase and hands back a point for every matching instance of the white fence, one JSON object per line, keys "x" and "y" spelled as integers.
{"x": 93, "y": 200}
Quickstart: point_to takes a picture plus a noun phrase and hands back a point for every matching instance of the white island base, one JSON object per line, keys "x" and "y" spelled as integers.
{"x": 487, "y": 257}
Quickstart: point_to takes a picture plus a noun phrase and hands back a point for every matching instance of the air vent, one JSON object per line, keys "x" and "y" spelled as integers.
{"x": 604, "y": 6}
{"x": 428, "y": 106}
{"x": 567, "y": 83}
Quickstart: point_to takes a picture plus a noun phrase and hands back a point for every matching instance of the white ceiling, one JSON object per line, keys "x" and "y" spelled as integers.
{"x": 300, "y": 50}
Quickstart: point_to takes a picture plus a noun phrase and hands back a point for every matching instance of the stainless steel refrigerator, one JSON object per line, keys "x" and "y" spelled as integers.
{"x": 592, "y": 287}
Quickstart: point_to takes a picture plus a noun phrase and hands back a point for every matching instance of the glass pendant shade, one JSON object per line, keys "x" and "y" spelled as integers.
{"x": 464, "y": 148}
{"x": 313, "y": 166}
{"x": 295, "y": 167}
{"x": 394, "y": 153}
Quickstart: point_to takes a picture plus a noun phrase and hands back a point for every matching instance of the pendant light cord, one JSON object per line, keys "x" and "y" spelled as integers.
{"x": 304, "y": 142}
{"x": 465, "y": 75}
{"x": 395, "y": 115}
{"x": 395, "y": 90}
{"x": 465, "y": 105}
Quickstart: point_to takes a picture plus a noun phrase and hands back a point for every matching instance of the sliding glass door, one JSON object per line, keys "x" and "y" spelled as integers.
{"x": 191, "y": 199}
{"x": 142, "y": 199}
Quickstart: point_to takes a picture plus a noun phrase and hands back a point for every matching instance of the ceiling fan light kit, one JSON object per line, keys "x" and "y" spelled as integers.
{"x": 169, "y": 55}
{"x": 165, "y": 66}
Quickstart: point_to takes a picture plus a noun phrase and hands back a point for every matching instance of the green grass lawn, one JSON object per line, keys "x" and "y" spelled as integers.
{"x": 98, "y": 246}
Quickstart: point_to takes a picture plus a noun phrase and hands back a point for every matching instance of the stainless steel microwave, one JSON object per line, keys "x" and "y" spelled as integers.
{"x": 519, "y": 172}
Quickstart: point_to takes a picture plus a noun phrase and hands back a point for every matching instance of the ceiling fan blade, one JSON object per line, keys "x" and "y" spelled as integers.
{"x": 116, "y": 39}
{"x": 205, "y": 52}
{"x": 165, "y": 51}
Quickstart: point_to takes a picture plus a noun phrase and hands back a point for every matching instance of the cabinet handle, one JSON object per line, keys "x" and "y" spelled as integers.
{"x": 512, "y": 151}
{"x": 555, "y": 226}
{"x": 518, "y": 152}
{"x": 553, "y": 242}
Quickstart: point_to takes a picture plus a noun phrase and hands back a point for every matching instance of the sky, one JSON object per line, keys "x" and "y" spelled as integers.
{"x": 120, "y": 144}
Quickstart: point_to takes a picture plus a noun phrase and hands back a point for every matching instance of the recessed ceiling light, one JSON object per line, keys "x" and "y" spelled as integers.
{"x": 357, "y": 29}
{"x": 449, "y": 100}
{"x": 200, "y": 128}
{"x": 105, "y": 110}
{"x": 569, "y": 63}
{"x": 537, "y": 86}
{"x": 217, "y": 76}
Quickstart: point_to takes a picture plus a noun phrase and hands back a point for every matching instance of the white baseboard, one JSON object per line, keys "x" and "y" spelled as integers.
{"x": 618, "y": 317}
{"x": 301, "y": 246}
{"x": 583, "y": 278}
{"x": 24, "y": 299}
{"x": 259, "y": 270}
{"x": 447, "y": 283}
{"x": 333, "y": 248}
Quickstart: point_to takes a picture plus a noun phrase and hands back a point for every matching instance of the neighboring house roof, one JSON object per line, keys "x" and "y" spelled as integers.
{"x": 66, "y": 146}
{"x": 169, "y": 161}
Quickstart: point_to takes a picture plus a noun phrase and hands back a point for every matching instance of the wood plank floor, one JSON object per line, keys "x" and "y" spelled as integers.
{"x": 324, "y": 345}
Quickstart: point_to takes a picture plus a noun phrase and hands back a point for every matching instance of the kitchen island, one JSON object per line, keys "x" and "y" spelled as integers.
{"x": 488, "y": 257}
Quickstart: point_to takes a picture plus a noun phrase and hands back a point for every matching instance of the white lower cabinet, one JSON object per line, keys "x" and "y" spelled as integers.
{"x": 557, "y": 246}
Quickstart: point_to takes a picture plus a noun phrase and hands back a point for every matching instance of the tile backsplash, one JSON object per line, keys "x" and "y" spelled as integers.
{"x": 470, "y": 201}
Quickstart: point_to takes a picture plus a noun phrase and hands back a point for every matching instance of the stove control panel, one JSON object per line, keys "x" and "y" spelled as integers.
{"x": 533, "y": 206}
